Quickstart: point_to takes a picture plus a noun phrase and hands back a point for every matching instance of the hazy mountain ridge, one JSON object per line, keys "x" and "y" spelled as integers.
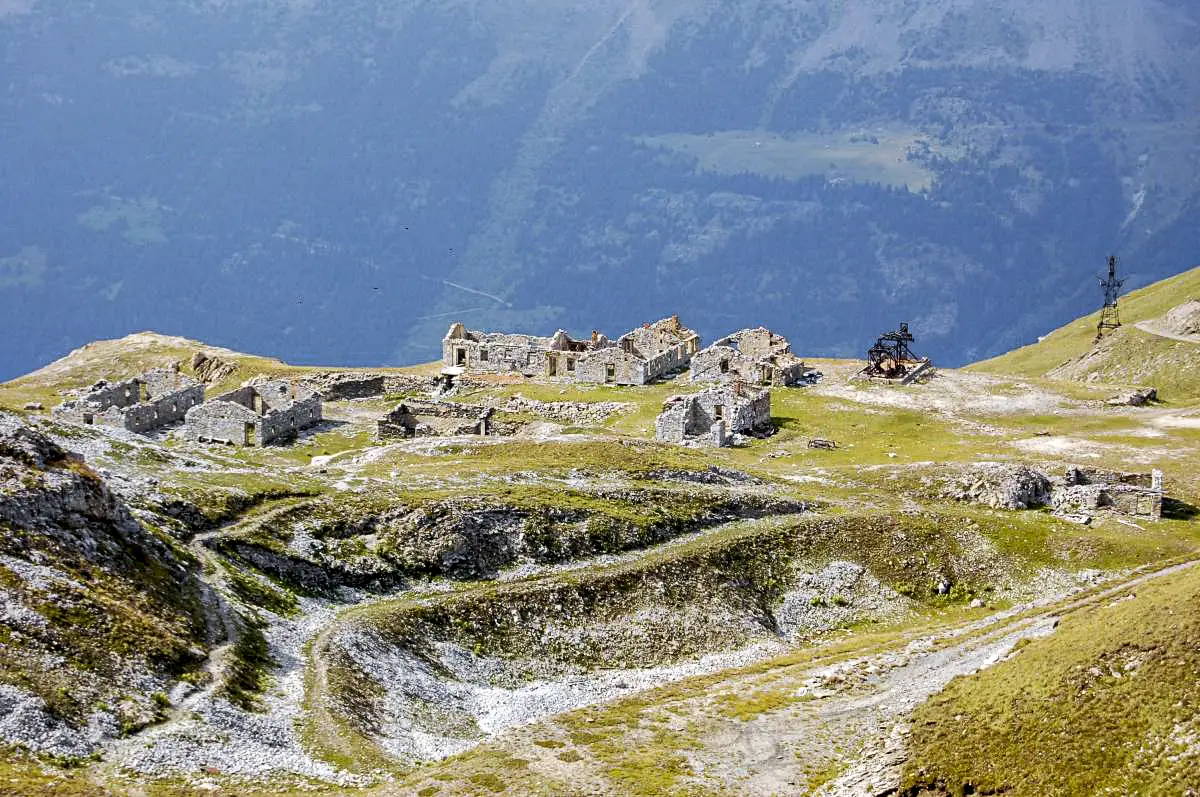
{"x": 229, "y": 170}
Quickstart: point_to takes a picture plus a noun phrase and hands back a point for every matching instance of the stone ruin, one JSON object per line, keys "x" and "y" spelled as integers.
{"x": 527, "y": 355}
{"x": 1085, "y": 490}
{"x": 424, "y": 418}
{"x": 255, "y": 415}
{"x": 642, "y": 355}
{"x": 753, "y": 356}
{"x": 716, "y": 416}
{"x": 636, "y": 358}
{"x": 141, "y": 404}
{"x": 1077, "y": 494}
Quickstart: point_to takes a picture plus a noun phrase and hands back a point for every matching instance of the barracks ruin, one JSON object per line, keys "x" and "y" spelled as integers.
{"x": 741, "y": 365}
{"x": 253, "y": 415}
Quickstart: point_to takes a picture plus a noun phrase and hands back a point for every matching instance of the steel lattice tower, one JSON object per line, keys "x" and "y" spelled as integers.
{"x": 1110, "y": 317}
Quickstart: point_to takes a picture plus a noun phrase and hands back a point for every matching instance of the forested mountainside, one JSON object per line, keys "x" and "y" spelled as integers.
{"x": 349, "y": 176}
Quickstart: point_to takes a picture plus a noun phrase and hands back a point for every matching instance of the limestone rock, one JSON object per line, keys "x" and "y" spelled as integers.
{"x": 1134, "y": 398}
{"x": 1184, "y": 319}
{"x": 1000, "y": 486}
{"x": 210, "y": 368}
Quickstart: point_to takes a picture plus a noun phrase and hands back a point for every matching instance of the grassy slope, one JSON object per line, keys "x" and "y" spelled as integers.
{"x": 134, "y": 354}
{"x": 891, "y": 439}
{"x": 1109, "y": 704}
{"x": 1131, "y": 356}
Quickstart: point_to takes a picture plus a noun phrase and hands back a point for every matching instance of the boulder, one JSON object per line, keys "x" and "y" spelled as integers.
{"x": 1134, "y": 398}
{"x": 1184, "y": 319}
{"x": 1000, "y": 486}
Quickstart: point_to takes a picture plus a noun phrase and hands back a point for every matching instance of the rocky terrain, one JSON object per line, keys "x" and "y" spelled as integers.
{"x": 576, "y": 609}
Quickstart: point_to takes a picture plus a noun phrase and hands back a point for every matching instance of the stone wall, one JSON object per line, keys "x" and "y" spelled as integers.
{"x": 673, "y": 423}
{"x": 284, "y": 423}
{"x": 170, "y": 408}
{"x": 421, "y": 418}
{"x": 529, "y": 355}
{"x": 651, "y": 340}
{"x": 256, "y": 414}
{"x": 756, "y": 356}
{"x": 614, "y": 366}
{"x": 1093, "y": 489}
{"x": 707, "y": 417}
{"x": 146, "y": 402}
{"x": 222, "y": 421}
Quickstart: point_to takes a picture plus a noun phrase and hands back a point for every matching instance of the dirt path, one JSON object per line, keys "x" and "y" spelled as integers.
{"x": 1151, "y": 328}
{"x": 842, "y": 728}
{"x": 902, "y": 681}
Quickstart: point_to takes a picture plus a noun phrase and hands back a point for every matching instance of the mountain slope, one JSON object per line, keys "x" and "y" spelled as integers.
{"x": 1139, "y": 353}
{"x": 1108, "y": 704}
{"x": 565, "y": 606}
{"x": 348, "y": 177}
{"x": 100, "y": 614}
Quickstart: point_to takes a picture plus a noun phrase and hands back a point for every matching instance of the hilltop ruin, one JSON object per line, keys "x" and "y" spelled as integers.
{"x": 141, "y": 404}
{"x": 528, "y": 355}
{"x": 754, "y": 356}
{"x": 255, "y": 415}
{"x": 715, "y": 416}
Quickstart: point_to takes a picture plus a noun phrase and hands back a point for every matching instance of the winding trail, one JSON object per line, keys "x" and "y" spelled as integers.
{"x": 851, "y": 715}
{"x": 1150, "y": 328}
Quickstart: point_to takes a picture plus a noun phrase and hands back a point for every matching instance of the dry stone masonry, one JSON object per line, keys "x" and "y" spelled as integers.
{"x": 423, "y": 418}
{"x": 642, "y": 355}
{"x": 716, "y": 416}
{"x": 255, "y": 415}
{"x": 636, "y": 358}
{"x": 1087, "y": 490}
{"x": 754, "y": 356}
{"x": 141, "y": 404}
{"x": 527, "y": 355}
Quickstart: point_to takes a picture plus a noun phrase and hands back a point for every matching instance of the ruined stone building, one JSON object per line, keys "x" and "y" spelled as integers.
{"x": 424, "y": 418}
{"x": 255, "y": 415}
{"x": 529, "y": 355}
{"x": 1090, "y": 489}
{"x": 715, "y": 415}
{"x": 141, "y": 404}
{"x": 642, "y": 355}
{"x": 755, "y": 356}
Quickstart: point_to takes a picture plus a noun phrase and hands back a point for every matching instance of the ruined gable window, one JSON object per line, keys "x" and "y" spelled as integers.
{"x": 719, "y": 412}
{"x": 724, "y": 366}
{"x": 570, "y": 365}
{"x": 483, "y": 355}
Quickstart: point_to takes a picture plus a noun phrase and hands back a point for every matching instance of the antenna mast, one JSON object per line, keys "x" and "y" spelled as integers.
{"x": 1110, "y": 318}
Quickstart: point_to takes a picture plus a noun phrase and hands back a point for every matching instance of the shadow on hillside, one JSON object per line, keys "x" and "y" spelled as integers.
{"x": 1178, "y": 510}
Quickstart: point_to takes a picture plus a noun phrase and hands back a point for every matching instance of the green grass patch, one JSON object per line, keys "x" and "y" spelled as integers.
{"x": 249, "y": 670}
{"x": 1107, "y": 704}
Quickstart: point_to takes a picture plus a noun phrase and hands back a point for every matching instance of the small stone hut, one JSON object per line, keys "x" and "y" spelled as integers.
{"x": 754, "y": 356}
{"x": 255, "y": 415}
{"x": 1091, "y": 489}
{"x": 423, "y": 418}
{"x": 715, "y": 415}
{"x": 141, "y": 404}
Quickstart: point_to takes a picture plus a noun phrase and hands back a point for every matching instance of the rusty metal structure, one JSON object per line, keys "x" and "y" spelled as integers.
{"x": 892, "y": 357}
{"x": 1110, "y": 317}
